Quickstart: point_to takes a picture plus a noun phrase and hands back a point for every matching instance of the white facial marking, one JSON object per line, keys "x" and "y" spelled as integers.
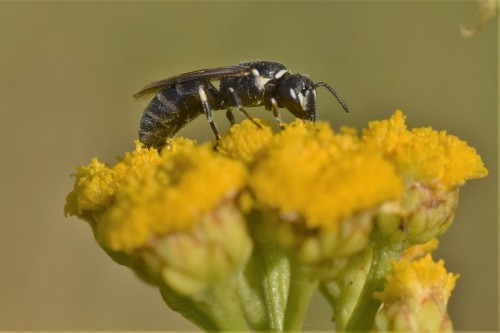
{"x": 255, "y": 72}
{"x": 292, "y": 93}
{"x": 302, "y": 100}
{"x": 202, "y": 94}
{"x": 280, "y": 73}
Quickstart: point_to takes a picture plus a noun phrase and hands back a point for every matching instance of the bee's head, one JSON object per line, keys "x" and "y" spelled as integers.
{"x": 297, "y": 93}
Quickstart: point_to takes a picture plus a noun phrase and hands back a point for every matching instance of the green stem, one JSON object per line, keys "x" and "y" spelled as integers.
{"x": 343, "y": 292}
{"x": 269, "y": 268}
{"x": 302, "y": 288}
{"x": 363, "y": 315}
{"x": 275, "y": 279}
{"x": 276, "y": 285}
{"x": 215, "y": 310}
{"x": 188, "y": 309}
{"x": 222, "y": 305}
{"x": 251, "y": 295}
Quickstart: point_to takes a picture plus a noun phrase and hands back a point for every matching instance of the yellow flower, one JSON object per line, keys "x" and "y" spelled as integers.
{"x": 146, "y": 195}
{"x": 417, "y": 279}
{"x": 191, "y": 262}
{"x": 433, "y": 158}
{"x": 245, "y": 141}
{"x": 415, "y": 297}
{"x": 96, "y": 184}
{"x": 313, "y": 174}
{"x": 306, "y": 176}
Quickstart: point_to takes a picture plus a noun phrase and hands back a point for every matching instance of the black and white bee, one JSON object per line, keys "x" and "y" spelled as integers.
{"x": 182, "y": 98}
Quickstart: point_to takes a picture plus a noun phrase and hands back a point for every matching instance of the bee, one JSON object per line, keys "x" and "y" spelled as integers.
{"x": 180, "y": 99}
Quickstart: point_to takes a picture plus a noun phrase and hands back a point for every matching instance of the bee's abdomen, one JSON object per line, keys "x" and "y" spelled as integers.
{"x": 165, "y": 115}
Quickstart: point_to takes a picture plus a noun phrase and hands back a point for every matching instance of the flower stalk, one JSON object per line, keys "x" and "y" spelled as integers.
{"x": 271, "y": 269}
{"x": 302, "y": 288}
{"x": 238, "y": 235}
{"x": 363, "y": 315}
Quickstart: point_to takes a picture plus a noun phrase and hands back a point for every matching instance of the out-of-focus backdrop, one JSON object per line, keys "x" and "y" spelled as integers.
{"x": 67, "y": 74}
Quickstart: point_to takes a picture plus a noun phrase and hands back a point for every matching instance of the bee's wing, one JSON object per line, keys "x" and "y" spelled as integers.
{"x": 203, "y": 74}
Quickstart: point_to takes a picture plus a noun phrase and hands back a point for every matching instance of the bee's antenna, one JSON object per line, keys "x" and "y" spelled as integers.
{"x": 334, "y": 93}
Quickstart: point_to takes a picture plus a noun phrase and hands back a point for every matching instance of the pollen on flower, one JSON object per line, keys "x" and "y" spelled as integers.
{"x": 423, "y": 154}
{"x": 96, "y": 183}
{"x": 153, "y": 195}
{"x": 177, "y": 144}
{"x": 312, "y": 173}
{"x": 417, "y": 280}
{"x": 246, "y": 141}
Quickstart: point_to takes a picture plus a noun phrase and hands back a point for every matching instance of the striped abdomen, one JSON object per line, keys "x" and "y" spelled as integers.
{"x": 168, "y": 112}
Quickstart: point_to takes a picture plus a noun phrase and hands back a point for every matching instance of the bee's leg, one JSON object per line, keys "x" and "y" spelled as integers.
{"x": 208, "y": 111}
{"x": 276, "y": 112}
{"x": 230, "y": 116}
{"x": 239, "y": 105}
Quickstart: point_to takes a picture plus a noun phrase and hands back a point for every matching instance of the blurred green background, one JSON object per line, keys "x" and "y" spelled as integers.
{"x": 67, "y": 74}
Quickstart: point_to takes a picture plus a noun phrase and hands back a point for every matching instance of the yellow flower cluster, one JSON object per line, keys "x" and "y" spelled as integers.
{"x": 301, "y": 206}
{"x": 305, "y": 173}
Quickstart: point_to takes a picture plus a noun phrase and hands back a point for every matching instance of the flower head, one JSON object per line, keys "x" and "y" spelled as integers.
{"x": 417, "y": 280}
{"x": 96, "y": 184}
{"x": 259, "y": 215}
{"x": 147, "y": 195}
{"x": 433, "y": 165}
{"x": 319, "y": 185}
{"x": 415, "y": 297}
{"x": 311, "y": 173}
{"x": 424, "y": 155}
